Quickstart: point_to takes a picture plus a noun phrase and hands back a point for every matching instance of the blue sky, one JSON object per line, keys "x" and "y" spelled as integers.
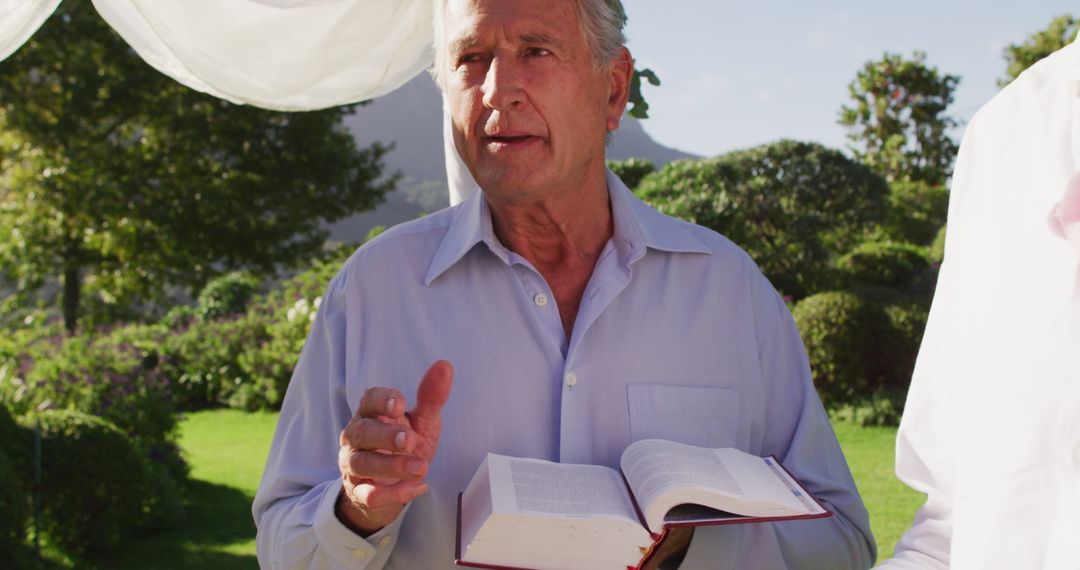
{"x": 738, "y": 74}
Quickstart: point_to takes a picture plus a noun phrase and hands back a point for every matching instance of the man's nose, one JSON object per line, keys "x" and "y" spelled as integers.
{"x": 503, "y": 85}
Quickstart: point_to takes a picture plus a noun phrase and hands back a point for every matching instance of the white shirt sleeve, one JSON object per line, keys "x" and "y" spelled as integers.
{"x": 798, "y": 432}
{"x": 294, "y": 507}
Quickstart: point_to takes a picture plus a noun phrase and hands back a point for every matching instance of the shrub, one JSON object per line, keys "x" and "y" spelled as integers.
{"x": 791, "y": 205}
{"x": 15, "y": 442}
{"x": 937, "y": 248}
{"x": 862, "y": 346}
{"x": 117, "y": 375}
{"x": 95, "y": 484}
{"x": 271, "y": 363}
{"x": 203, "y": 360}
{"x": 246, "y": 361}
{"x": 14, "y": 510}
{"x": 286, "y": 314}
{"x": 179, "y": 317}
{"x": 887, "y": 264}
{"x": 840, "y": 330}
{"x": 916, "y": 211}
{"x": 632, "y": 170}
{"x": 226, "y": 295}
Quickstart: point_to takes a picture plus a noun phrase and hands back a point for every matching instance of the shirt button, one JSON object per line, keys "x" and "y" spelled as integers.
{"x": 359, "y": 554}
{"x": 571, "y": 379}
{"x": 540, "y": 299}
{"x": 384, "y": 542}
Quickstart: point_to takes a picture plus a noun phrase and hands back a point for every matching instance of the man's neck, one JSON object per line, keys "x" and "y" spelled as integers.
{"x": 559, "y": 231}
{"x": 562, "y": 236}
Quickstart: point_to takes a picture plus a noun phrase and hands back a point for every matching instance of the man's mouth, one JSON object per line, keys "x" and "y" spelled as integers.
{"x": 507, "y": 141}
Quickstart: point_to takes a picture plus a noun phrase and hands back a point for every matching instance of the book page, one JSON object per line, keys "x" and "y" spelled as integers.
{"x": 562, "y": 489}
{"x": 664, "y": 474}
{"x": 653, "y": 465}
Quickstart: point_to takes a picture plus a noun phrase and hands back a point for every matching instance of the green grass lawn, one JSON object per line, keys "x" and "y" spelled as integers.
{"x": 870, "y": 453}
{"x": 227, "y": 449}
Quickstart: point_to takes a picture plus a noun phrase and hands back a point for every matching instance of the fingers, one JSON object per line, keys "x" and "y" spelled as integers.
{"x": 356, "y": 464}
{"x": 434, "y": 391}
{"x": 377, "y": 435}
{"x": 380, "y": 496}
{"x": 379, "y": 401}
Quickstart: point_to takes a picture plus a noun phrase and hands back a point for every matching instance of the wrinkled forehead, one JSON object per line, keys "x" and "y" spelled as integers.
{"x": 463, "y": 20}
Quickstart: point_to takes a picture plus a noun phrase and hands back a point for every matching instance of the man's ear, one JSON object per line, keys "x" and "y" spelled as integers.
{"x": 620, "y": 72}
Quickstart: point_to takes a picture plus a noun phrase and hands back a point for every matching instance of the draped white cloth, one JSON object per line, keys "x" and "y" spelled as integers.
{"x": 288, "y": 55}
{"x": 459, "y": 180}
{"x": 19, "y": 19}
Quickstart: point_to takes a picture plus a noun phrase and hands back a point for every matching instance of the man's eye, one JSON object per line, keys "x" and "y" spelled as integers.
{"x": 470, "y": 58}
{"x": 536, "y": 52}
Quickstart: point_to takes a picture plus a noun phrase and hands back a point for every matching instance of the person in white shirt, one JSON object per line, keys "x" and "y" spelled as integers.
{"x": 991, "y": 430}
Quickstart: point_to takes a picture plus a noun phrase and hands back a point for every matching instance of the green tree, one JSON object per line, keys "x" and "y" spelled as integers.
{"x": 117, "y": 181}
{"x": 897, "y": 121}
{"x": 792, "y": 206}
{"x": 1021, "y": 56}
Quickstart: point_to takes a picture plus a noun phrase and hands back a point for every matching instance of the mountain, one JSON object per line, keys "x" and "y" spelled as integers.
{"x": 410, "y": 118}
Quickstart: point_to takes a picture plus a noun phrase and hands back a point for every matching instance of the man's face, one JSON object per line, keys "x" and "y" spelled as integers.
{"x": 530, "y": 109}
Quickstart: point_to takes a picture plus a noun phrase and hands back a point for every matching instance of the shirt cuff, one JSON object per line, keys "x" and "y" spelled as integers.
{"x": 346, "y": 548}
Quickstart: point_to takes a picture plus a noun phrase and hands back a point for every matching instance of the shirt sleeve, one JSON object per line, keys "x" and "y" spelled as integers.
{"x": 797, "y": 431}
{"x": 294, "y": 507}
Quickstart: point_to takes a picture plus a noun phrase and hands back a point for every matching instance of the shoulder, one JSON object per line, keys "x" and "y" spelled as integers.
{"x": 402, "y": 250}
{"x": 1031, "y": 98}
{"x": 678, "y": 237}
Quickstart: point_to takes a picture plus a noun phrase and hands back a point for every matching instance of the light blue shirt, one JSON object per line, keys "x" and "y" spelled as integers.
{"x": 678, "y": 336}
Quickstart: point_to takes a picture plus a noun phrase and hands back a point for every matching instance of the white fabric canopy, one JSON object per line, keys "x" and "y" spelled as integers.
{"x": 279, "y": 54}
{"x": 19, "y": 19}
{"x": 288, "y": 55}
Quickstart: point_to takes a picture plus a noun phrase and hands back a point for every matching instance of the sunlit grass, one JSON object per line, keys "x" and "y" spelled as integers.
{"x": 870, "y": 454}
{"x": 226, "y": 450}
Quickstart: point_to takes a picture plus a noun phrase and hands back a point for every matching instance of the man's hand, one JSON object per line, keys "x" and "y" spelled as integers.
{"x": 385, "y": 451}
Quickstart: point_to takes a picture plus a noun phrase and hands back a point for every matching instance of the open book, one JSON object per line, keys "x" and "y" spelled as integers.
{"x": 529, "y": 513}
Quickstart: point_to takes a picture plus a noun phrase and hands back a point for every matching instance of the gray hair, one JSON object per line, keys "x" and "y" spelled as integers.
{"x": 602, "y": 23}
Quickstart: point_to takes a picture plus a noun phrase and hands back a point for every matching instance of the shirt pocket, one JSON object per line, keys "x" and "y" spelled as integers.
{"x": 697, "y": 415}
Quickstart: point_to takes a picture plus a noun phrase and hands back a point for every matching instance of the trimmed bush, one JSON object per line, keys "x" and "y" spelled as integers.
{"x": 179, "y": 317}
{"x": 862, "y": 346}
{"x": 632, "y": 170}
{"x": 226, "y": 295}
{"x": 885, "y": 264}
{"x": 95, "y": 484}
{"x": 14, "y": 509}
{"x": 841, "y": 330}
{"x": 16, "y": 442}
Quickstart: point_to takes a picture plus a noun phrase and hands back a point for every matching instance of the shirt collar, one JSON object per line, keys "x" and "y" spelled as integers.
{"x": 637, "y": 227}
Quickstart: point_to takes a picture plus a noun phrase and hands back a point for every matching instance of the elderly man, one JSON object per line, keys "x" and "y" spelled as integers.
{"x": 577, "y": 320}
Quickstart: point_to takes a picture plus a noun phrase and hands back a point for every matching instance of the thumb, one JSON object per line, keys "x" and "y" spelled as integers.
{"x": 434, "y": 391}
